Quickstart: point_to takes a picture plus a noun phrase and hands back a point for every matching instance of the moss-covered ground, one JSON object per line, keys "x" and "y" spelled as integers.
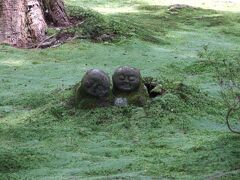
{"x": 180, "y": 135}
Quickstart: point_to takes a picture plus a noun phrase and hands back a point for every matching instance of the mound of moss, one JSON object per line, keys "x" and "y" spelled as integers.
{"x": 14, "y": 160}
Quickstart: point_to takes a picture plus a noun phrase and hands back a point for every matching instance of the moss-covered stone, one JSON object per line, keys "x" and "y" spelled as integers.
{"x": 94, "y": 90}
{"x": 137, "y": 98}
{"x": 86, "y": 101}
{"x": 128, "y": 84}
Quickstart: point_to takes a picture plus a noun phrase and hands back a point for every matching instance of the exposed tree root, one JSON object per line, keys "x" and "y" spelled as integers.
{"x": 59, "y": 38}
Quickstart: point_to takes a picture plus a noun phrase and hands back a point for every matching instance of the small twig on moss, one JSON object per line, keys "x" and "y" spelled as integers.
{"x": 228, "y": 123}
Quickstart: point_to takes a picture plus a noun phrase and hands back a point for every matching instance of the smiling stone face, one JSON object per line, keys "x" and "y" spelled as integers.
{"x": 96, "y": 83}
{"x": 126, "y": 79}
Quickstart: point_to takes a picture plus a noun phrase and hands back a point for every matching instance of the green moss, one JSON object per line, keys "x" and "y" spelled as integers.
{"x": 14, "y": 160}
{"x": 180, "y": 135}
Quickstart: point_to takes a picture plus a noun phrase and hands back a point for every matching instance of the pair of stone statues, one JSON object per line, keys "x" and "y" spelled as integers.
{"x": 128, "y": 88}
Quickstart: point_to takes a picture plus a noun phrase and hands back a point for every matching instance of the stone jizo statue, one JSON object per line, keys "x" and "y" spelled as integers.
{"x": 128, "y": 87}
{"x": 126, "y": 79}
{"x": 94, "y": 90}
{"x": 96, "y": 83}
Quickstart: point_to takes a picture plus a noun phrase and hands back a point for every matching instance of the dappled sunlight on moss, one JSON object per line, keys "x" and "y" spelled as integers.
{"x": 13, "y": 62}
{"x": 112, "y": 10}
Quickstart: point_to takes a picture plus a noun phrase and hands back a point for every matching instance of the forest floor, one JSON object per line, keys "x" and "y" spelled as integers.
{"x": 180, "y": 135}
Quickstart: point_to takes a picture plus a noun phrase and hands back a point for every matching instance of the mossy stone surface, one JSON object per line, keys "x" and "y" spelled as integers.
{"x": 137, "y": 98}
{"x": 86, "y": 101}
{"x": 94, "y": 90}
{"x": 128, "y": 84}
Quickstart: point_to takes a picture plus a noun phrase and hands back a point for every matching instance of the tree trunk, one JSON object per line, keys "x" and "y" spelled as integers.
{"x": 13, "y": 22}
{"x": 36, "y": 25}
{"x": 54, "y": 12}
{"x": 23, "y": 23}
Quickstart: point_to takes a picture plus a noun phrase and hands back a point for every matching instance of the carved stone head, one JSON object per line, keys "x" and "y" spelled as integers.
{"x": 96, "y": 83}
{"x": 126, "y": 79}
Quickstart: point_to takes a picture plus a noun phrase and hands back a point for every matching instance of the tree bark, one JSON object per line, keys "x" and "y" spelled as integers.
{"x": 13, "y": 22}
{"x": 23, "y": 22}
{"x": 55, "y": 12}
{"x": 36, "y": 24}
